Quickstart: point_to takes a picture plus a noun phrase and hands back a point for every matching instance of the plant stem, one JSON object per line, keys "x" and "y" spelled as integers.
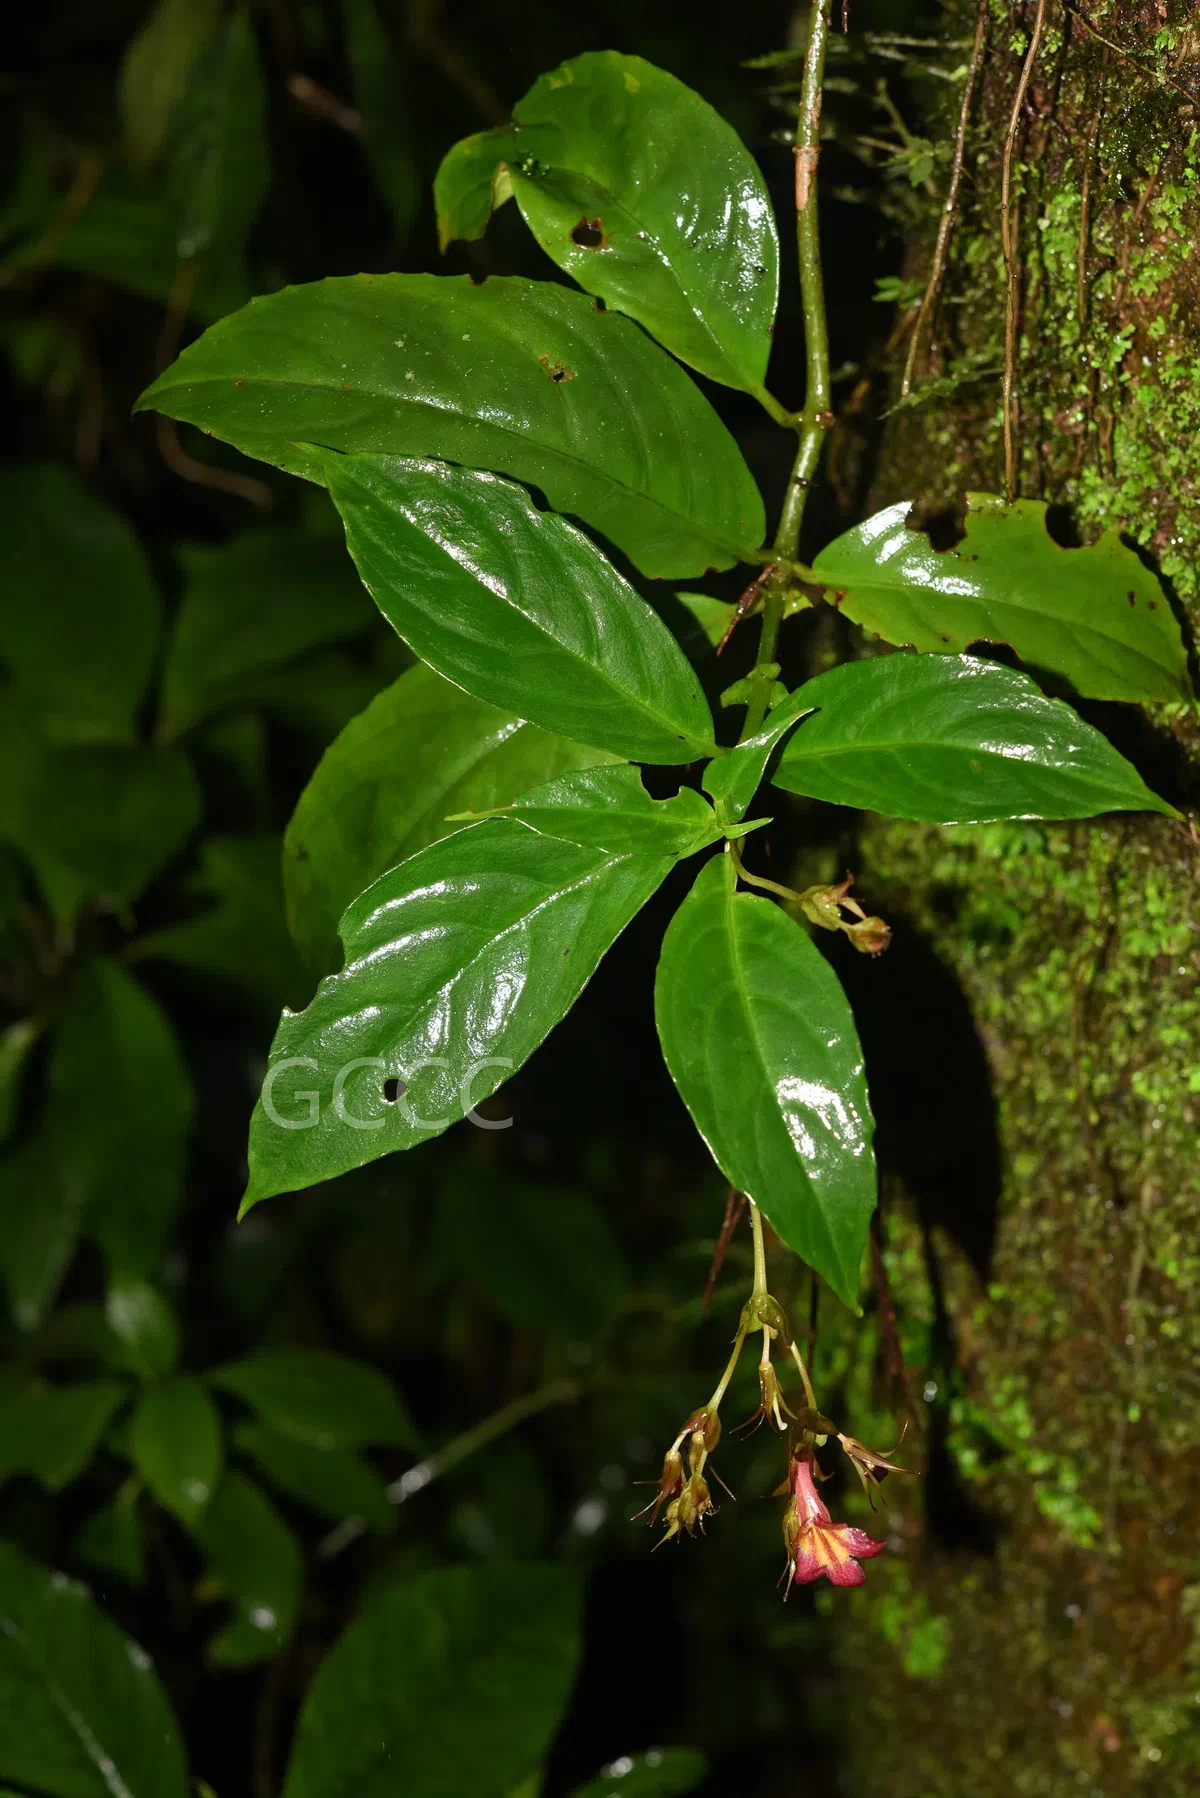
{"x": 813, "y": 422}
{"x": 734, "y": 1357}
{"x": 809, "y": 1394}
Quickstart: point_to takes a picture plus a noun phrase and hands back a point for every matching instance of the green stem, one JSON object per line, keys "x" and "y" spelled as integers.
{"x": 735, "y": 1356}
{"x": 813, "y": 422}
{"x": 809, "y": 1394}
{"x": 760, "y": 1252}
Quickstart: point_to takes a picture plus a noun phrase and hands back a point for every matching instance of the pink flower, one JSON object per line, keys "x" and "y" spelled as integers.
{"x": 817, "y": 1546}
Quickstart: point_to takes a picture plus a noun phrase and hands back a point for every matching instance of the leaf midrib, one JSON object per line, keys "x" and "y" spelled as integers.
{"x": 74, "y": 1719}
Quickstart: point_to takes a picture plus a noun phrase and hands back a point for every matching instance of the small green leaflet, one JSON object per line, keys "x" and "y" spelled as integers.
{"x": 758, "y": 1037}
{"x": 335, "y": 1482}
{"x": 1095, "y": 617}
{"x": 517, "y": 606}
{"x": 646, "y": 196}
{"x": 175, "y": 1440}
{"x": 255, "y": 1559}
{"x": 327, "y": 1401}
{"x": 952, "y": 740}
{"x": 733, "y": 779}
{"x": 521, "y": 377}
{"x": 421, "y": 752}
{"x": 458, "y": 963}
{"x": 658, "y": 1773}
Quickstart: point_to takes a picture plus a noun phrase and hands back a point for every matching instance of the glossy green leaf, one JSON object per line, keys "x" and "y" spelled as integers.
{"x": 658, "y": 1773}
{"x": 254, "y": 1562}
{"x": 734, "y": 779}
{"x": 759, "y": 1039}
{"x": 953, "y": 740}
{"x": 637, "y": 188}
{"x": 517, "y": 606}
{"x": 422, "y": 751}
{"x": 383, "y": 97}
{"x": 336, "y": 1482}
{"x": 82, "y": 1714}
{"x": 80, "y": 621}
{"x": 322, "y": 1399}
{"x": 52, "y": 1432}
{"x": 459, "y": 962}
{"x": 522, "y": 377}
{"x": 249, "y": 608}
{"x": 155, "y": 70}
{"x": 175, "y": 1440}
{"x": 609, "y": 808}
{"x": 546, "y": 1257}
{"x": 112, "y": 1540}
{"x": 1095, "y": 616}
{"x": 240, "y": 937}
{"x": 144, "y": 1324}
{"x": 215, "y": 155}
{"x": 451, "y": 1682}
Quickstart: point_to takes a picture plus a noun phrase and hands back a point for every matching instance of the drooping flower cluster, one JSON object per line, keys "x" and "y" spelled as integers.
{"x": 816, "y": 1546}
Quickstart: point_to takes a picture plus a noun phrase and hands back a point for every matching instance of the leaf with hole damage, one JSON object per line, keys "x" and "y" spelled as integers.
{"x": 82, "y": 1714}
{"x": 758, "y": 1037}
{"x": 1095, "y": 617}
{"x": 517, "y": 606}
{"x": 459, "y": 962}
{"x": 644, "y": 194}
{"x": 422, "y": 751}
{"x": 521, "y": 377}
{"x": 451, "y": 1681}
{"x": 953, "y": 740}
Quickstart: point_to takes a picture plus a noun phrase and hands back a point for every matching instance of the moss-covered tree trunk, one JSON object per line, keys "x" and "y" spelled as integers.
{"x": 1045, "y": 1629}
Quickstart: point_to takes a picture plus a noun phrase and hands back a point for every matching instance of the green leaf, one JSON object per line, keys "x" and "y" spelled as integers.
{"x": 17, "y": 1041}
{"x": 384, "y": 99}
{"x": 116, "y": 1072}
{"x": 144, "y": 1323}
{"x": 254, "y": 1561}
{"x": 517, "y": 606}
{"x": 734, "y": 779}
{"x": 759, "y": 1039}
{"x": 609, "y": 808}
{"x": 659, "y": 1773}
{"x": 521, "y": 377}
{"x": 216, "y": 170}
{"x": 241, "y": 936}
{"x": 175, "y": 1441}
{"x": 712, "y": 616}
{"x": 82, "y": 1714}
{"x": 112, "y": 1538}
{"x": 422, "y": 751}
{"x": 647, "y": 197}
{"x": 459, "y": 962}
{"x": 325, "y": 1400}
{"x": 336, "y": 1482}
{"x": 100, "y": 822}
{"x": 155, "y": 70}
{"x": 953, "y": 740}
{"x": 472, "y": 182}
{"x": 452, "y": 1682}
{"x": 249, "y": 608}
{"x": 79, "y": 626}
{"x": 52, "y": 1432}
{"x": 546, "y": 1257}
{"x": 1095, "y": 617}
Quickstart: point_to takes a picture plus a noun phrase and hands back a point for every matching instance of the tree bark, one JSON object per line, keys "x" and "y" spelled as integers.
{"x": 1042, "y": 1625}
